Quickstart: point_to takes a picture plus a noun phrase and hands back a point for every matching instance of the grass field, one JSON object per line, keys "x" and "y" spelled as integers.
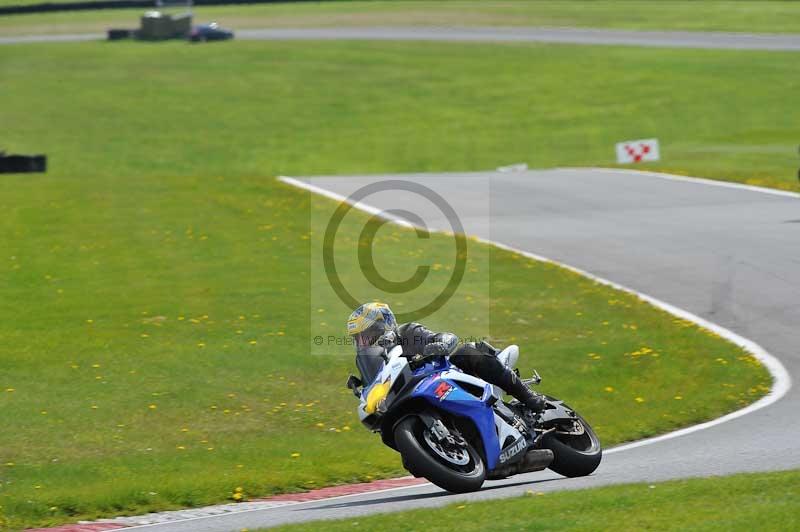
{"x": 155, "y": 315}
{"x": 765, "y": 501}
{"x": 742, "y": 16}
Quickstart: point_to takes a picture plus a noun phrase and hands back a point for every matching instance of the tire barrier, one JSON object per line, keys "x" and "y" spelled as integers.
{"x": 20, "y": 164}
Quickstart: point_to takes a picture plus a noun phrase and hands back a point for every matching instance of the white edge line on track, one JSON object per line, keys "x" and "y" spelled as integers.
{"x": 782, "y": 381}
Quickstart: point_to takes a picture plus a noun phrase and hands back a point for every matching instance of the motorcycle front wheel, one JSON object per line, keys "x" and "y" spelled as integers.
{"x": 459, "y": 470}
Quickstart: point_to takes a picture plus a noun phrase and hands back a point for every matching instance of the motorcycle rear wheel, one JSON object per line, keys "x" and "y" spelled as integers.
{"x": 575, "y": 456}
{"x": 409, "y": 437}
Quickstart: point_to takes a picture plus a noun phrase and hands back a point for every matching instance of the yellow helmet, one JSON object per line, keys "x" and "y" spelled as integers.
{"x": 369, "y": 322}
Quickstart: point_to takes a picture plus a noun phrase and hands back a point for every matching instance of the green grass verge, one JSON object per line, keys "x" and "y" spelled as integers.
{"x": 742, "y": 16}
{"x": 155, "y": 316}
{"x": 764, "y": 501}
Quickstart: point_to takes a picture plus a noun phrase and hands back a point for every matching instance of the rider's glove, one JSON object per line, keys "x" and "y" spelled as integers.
{"x": 436, "y": 349}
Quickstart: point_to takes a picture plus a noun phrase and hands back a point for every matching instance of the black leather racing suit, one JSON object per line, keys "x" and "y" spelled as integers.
{"x": 418, "y": 341}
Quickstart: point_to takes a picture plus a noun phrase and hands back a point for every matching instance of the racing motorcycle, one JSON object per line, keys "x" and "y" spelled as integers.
{"x": 456, "y": 430}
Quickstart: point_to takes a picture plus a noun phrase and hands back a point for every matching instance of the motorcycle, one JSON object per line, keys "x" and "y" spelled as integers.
{"x": 456, "y": 430}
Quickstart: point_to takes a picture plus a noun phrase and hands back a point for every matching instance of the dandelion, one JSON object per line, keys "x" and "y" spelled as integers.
{"x": 94, "y": 407}
{"x": 346, "y": 427}
{"x": 639, "y": 400}
{"x": 10, "y": 390}
{"x": 152, "y": 407}
{"x": 609, "y": 389}
{"x": 678, "y": 397}
{"x": 295, "y": 455}
{"x": 181, "y": 447}
{"x": 201, "y": 344}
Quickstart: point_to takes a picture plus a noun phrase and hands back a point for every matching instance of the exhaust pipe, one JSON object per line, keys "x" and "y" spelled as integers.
{"x": 535, "y": 460}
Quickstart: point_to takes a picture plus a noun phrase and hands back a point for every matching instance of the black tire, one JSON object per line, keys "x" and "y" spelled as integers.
{"x": 575, "y": 456}
{"x": 410, "y": 443}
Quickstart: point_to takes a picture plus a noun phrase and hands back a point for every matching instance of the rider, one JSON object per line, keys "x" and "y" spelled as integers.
{"x": 374, "y": 324}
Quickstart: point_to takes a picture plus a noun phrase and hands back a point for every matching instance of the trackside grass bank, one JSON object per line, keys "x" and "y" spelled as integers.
{"x": 155, "y": 315}
{"x": 765, "y": 501}
{"x": 737, "y": 16}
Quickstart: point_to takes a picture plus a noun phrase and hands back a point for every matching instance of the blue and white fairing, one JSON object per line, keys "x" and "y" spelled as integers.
{"x": 448, "y": 389}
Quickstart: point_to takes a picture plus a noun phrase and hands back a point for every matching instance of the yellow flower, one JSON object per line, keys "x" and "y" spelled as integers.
{"x": 295, "y": 455}
{"x": 639, "y": 400}
{"x": 609, "y": 389}
{"x": 152, "y": 407}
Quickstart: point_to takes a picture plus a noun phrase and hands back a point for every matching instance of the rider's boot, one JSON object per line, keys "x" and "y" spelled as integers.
{"x": 532, "y": 400}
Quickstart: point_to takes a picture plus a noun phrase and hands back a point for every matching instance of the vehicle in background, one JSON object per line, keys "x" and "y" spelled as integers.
{"x": 210, "y": 32}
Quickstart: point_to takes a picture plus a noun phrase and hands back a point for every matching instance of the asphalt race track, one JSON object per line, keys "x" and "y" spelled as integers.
{"x": 727, "y": 254}
{"x": 589, "y": 36}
